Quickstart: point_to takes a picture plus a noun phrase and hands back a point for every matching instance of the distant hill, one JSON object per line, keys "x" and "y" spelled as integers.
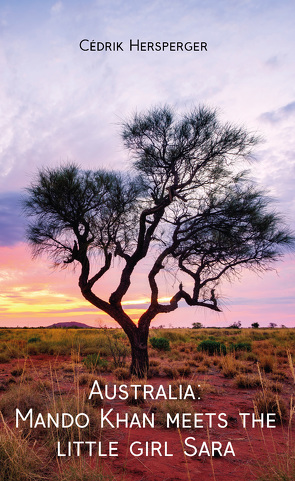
{"x": 70, "y": 325}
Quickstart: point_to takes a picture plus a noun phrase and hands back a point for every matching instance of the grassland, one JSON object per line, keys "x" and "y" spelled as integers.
{"x": 231, "y": 370}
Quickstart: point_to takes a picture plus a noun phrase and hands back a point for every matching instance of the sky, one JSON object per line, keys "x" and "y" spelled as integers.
{"x": 60, "y": 104}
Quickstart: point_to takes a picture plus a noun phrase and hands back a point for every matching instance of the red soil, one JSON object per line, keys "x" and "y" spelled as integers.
{"x": 253, "y": 447}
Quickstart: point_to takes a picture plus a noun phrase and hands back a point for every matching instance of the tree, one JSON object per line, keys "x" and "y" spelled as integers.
{"x": 197, "y": 325}
{"x": 188, "y": 206}
{"x": 235, "y": 325}
{"x": 255, "y": 325}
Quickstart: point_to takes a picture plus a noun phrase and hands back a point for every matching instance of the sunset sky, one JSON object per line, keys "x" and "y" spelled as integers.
{"x": 61, "y": 104}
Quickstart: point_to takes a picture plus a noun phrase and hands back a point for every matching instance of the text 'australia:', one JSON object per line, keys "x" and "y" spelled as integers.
{"x": 142, "y": 46}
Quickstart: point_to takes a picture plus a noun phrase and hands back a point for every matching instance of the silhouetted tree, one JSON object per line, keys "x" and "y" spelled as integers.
{"x": 188, "y": 206}
{"x": 235, "y": 325}
{"x": 197, "y": 325}
{"x": 255, "y": 325}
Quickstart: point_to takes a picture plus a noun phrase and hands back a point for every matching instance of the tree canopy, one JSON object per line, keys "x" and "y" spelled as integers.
{"x": 187, "y": 203}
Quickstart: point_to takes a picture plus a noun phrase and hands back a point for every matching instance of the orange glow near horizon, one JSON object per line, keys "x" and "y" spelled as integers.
{"x": 30, "y": 288}
{"x": 31, "y": 293}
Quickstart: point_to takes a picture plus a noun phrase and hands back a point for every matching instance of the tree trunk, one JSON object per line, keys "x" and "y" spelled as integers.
{"x": 140, "y": 359}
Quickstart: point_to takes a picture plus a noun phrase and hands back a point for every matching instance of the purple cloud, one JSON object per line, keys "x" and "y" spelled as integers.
{"x": 280, "y": 114}
{"x": 12, "y": 223}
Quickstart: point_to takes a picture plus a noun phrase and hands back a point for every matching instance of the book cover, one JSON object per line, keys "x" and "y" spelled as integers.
{"x": 146, "y": 238}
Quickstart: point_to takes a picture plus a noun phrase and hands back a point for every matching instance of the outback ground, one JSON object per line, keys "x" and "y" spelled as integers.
{"x": 229, "y": 371}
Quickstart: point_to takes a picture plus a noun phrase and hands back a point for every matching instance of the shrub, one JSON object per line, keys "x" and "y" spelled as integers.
{"x": 212, "y": 347}
{"x": 94, "y": 362}
{"x": 242, "y": 346}
{"x": 118, "y": 351}
{"x": 34, "y": 339}
{"x": 160, "y": 343}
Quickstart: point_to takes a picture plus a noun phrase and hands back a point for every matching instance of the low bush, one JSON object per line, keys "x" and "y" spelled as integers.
{"x": 241, "y": 346}
{"x": 160, "y": 343}
{"x": 34, "y": 339}
{"x": 94, "y": 362}
{"x": 212, "y": 347}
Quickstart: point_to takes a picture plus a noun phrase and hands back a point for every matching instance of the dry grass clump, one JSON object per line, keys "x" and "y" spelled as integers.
{"x": 184, "y": 370}
{"x": 75, "y": 356}
{"x": 267, "y": 401}
{"x": 82, "y": 470}
{"x": 154, "y": 363}
{"x": 280, "y": 467}
{"x": 18, "y": 461}
{"x": 247, "y": 356}
{"x": 279, "y": 375}
{"x": 199, "y": 356}
{"x": 170, "y": 371}
{"x": 192, "y": 363}
{"x": 246, "y": 381}
{"x": 173, "y": 407}
{"x": 122, "y": 373}
{"x": 202, "y": 368}
{"x": 78, "y": 403}
{"x": 4, "y": 357}
{"x": 23, "y": 397}
{"x": 153, "y": 372}
{"x": 195, "y": 385}
{"x": 229, "y": 366}
{"x": 135, "y": 398}
{"x": 271, "y": 385}
{"x": 267, "y": 363}
{"x": 280, "y": 464}
{"x": 87, "y": 379}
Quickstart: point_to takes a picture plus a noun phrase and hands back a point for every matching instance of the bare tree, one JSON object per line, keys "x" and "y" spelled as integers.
{"x": 189, "y": 207}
